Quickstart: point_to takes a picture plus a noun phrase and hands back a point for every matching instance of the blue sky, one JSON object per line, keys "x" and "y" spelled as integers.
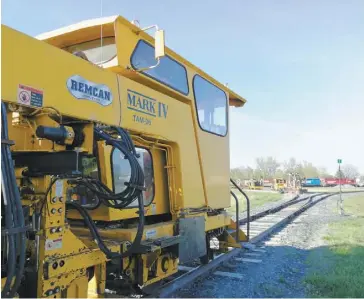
{"x": 300, "y": 65}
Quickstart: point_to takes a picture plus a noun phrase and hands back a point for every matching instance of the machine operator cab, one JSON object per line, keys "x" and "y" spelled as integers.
{"x": 129, "y": 51}
{"x": 122, "y": 47}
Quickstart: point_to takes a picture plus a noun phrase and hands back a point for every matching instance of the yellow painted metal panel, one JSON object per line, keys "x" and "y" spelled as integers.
{"x": 176, "y": 128}
{"x": 214, "y": 222}
{"x": 153, "y": 231}
{"x": 46, "y": 68}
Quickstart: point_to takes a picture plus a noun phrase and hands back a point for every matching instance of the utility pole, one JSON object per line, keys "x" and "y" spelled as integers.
{"x": 339, "y": 161}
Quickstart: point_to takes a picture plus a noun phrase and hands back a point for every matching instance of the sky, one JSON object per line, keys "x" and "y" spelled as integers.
{"x": 299, "y": 64}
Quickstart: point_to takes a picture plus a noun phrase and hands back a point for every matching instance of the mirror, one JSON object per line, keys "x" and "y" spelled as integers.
{"x": 159, "y": 44}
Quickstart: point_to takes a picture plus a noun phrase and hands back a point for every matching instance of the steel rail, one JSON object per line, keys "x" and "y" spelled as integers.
{"x": 202, "y": 271}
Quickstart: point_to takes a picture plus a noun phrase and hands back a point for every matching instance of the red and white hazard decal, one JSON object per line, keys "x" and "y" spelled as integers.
{"x": 30, "y": 96}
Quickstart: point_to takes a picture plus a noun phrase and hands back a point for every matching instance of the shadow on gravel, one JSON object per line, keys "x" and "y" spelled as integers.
{"x": 286, "y": 271}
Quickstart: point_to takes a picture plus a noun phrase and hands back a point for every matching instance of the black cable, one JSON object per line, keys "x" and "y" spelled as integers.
{"x": 97, "y": 238}
{"x": 9, "y": 225}
{"x": 135, "y": 186}
{"x": 14, "y": 212}
{"x": 133, "y": 191}
{"x": 11, "y": 216}
{"x": 92, "y": 227}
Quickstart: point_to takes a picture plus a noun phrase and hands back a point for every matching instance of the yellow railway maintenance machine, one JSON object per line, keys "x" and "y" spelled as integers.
{"x": 115, "y": 160}
{"x": 255, "y": 185}
{"x": 279, "y": 185}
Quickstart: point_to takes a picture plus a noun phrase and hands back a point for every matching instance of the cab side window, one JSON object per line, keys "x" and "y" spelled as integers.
{"x": 211, "y": 105}
{"x": 169, "y": 71}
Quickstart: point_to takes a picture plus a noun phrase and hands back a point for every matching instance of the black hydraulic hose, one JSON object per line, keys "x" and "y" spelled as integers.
{"x": 140, "y": 229}
{"x": 135, "y": 186}
{"x": 11, "y": 251}
{"x": 133, "y": 191}
{"x": 9, "y": 225}
{"x": 20, "y": 237}
{"x": 127, "y": 139}
{"x": 247, "y": 204}
{"x": 16, "y": 216}
{"x": 104, "y": 193}
{"x": 12, "y": 199}
{"x": 95, "y": 234}
{"x": 237, "y": 217}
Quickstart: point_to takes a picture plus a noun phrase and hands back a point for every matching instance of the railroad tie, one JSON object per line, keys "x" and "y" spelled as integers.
{"x": 248, "y": 260}
{"x": 217, "y": 273}
{"x": 252, "y": 254}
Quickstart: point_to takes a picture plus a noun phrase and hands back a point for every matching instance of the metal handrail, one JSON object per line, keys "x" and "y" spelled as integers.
{"x": 248, "y": 207}
{"x": 237, "y": 216}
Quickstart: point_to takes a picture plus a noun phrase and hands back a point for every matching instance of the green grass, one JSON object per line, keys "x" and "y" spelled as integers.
{"x": 332, "y": 189}
{"x": 338, "y": 270}
{"x": 256, "y": 199}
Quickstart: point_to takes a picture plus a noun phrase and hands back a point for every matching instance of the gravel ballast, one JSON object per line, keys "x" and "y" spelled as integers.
{"x": 283, "y": 265}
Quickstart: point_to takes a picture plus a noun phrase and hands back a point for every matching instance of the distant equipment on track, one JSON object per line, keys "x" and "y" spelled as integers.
{"x": 279, "y": 185}
{"x": 327, "y": 182}
{"x": 311, "y": 182}
{"x": 332, "y": 182}
{"x": 255, "y": 184}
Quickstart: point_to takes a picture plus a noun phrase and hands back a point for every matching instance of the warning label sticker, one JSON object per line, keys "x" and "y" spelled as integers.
{"x": 53, "y": 244}
{"x": 30, "y": 96}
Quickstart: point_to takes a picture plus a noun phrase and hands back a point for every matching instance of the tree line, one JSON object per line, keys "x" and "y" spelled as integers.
{"x": 269, "y": 168}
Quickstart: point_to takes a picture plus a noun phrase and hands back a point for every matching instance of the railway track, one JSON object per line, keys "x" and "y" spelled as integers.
{"x": 262, "y": 225}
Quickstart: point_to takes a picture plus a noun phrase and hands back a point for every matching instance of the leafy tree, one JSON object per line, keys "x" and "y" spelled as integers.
{"x": 242, "y": 173}
{"x": 309, "y": 171}
{"x": 257, "y": 174}
{"x": 249, "y": 172}
{"x": 235, "y": 173}
{"x": 323, "y": 173}
{"x": 267, "y": 167}
{"x": 290, "y": 165}
{"x": 279, "y": 174}
{"x": 350, "y": 171}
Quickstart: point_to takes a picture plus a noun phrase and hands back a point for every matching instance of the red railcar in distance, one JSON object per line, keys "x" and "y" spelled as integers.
{"x": 331, "y": 182}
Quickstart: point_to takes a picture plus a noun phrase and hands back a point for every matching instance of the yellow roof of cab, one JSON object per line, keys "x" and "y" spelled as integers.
{"x": 66, "y": 36}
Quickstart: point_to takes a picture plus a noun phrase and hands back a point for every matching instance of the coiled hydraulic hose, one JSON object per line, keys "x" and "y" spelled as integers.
{"x": 135, "y": 186}
{"x": 133, "y": 191}
{"x": 14, "y": 217}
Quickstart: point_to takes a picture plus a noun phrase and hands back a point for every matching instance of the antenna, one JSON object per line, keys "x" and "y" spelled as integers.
{"x": 136, "y": 23}
{"x": 101, "y": 32}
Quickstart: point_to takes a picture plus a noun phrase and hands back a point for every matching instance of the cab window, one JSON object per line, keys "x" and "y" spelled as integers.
{"x": 168, "y": 72}
{"x": 96, "y": 51}
{"x": 121, "y": 173}
{"x": 211, "y": 105}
